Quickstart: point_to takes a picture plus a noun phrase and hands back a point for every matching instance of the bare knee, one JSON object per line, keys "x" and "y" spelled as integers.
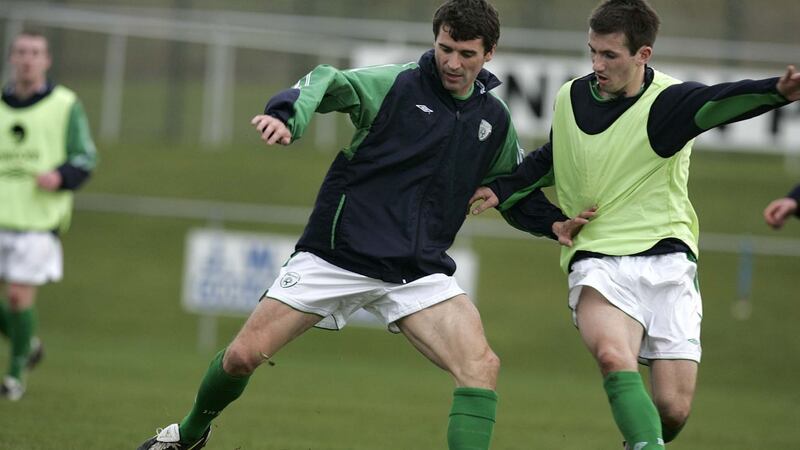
{"x": 674, "y": 412}
{"x": 492, "y": 363}
{"x": 480, "y": 371}
{"x": 611, "y": 359}
{"x": 20, "y": 297}
{"x": 239, "y": 360}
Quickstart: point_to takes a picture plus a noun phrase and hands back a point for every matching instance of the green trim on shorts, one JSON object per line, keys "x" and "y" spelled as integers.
{"x": 692, "y": 258}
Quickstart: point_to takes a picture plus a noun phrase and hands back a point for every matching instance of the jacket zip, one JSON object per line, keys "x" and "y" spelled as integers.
{"x": 427, "y": 188}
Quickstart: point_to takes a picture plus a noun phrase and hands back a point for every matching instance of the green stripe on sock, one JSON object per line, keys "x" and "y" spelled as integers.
{"x": 217, "y": 390}
{"x": 634, "y": 412}
{"x": 472, "y": 419}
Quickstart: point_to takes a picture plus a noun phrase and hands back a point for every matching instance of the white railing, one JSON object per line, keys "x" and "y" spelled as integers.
{"x": 218, "y": 211}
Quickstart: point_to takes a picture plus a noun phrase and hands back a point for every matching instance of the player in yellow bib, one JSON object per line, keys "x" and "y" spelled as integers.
{"x": 46, "y": 152}
{"x": 621, "y": 140}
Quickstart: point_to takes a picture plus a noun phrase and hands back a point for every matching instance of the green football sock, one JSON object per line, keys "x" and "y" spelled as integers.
{"x": 634, "y": 412}
{"x": 471, "y": 419}
{"x": 3, "y": 318}
{"x": 21, "y": 326}
{"x": 217, "y": 390}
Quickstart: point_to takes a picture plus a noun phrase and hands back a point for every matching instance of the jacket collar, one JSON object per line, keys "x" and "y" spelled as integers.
{"x": 10, "y": 98}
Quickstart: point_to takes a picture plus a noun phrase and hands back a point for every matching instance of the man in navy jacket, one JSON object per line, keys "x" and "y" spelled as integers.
{"x": 427, "y": 135}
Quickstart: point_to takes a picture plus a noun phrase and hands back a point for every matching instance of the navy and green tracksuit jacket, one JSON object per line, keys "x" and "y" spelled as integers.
{"x": 393, "y": 200}
{"x": 678, "y": 113}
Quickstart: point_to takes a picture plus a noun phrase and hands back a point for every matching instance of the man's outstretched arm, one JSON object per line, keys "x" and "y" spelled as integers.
{"x": 534, "y": 214}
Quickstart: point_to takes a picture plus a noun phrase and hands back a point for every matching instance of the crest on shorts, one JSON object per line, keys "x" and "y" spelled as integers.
{"x": 484, "y": 130}
{"x": 290, "y": 279}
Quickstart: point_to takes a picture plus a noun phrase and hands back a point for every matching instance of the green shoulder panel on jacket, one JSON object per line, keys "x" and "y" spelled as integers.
{"x": 81, "y": 151}
{"x": 356, "y": 92}
{"x": 510, "y": 156}
{"x": 545, "y": 181}
{"x": 715, "y": 113}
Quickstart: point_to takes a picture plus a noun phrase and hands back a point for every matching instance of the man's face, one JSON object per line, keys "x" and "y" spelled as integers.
{"x": 459, "y": 62}
{"x": 617, "y": 71}
{"x": 30, "y": 59}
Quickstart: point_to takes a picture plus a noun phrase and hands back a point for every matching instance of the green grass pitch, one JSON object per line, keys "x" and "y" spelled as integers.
{"x": 122, "y": 357}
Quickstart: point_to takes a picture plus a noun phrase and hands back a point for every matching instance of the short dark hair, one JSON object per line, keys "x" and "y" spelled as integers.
{"x": 31, "y": 32}
{"x": 469, "y": 19}
{"x": 635, "y": 18}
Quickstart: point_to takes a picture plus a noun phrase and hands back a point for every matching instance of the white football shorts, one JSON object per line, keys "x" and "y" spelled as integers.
{"x": 660, "y": 292}
{"x": 310, "y": 284}
{"x": 30, "y": 257}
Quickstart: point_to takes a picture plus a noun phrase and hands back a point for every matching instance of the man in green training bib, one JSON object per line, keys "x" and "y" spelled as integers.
{"x": 428, "y": 133}
{"x": 620, "y": 141}
{"x": 46, "y": 152}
